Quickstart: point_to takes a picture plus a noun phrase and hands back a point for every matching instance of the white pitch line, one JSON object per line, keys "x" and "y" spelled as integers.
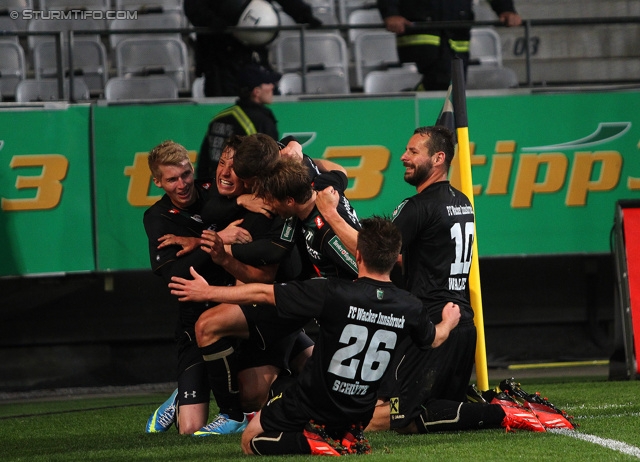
{"x": 604, "y": 442}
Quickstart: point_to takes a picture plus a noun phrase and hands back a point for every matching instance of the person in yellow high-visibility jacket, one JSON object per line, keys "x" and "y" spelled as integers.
{"x": 431, "y": 49}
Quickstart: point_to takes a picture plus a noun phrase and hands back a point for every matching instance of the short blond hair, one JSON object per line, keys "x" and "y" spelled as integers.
{"x": 166, "y": 153}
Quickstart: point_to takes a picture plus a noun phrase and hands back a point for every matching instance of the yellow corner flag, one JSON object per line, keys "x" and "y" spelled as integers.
{"x": 454, "y": 117}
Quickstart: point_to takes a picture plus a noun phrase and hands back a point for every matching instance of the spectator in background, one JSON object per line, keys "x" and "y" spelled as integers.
{"x": 248, "y": 116}
{"x": 219, "y": 55}
{"x": 433, "y": 49}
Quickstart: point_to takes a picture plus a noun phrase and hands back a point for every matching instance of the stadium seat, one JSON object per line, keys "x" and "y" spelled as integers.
{"x": 8, "y": 25}
{"x": 362, "y": 17}
{"x": 17, "y": 5}
{"x": 393, "y": 80}
{"x": 322, "y": 51}
{"x": 485, "y": 69}
{"x": 63, "y": 25}
{"x": 47, "y": 90}
{"x": 290, "y": 83}
{"x": 323, "y": 82}
{"x": 141, "y": 88}
{"x": 12, "y": 67}
{"x": 89, "y": 60}
{"x": 345, "y": 7}
{"x": 197, "y": 88}
{"x": 159, "y": 55}
{"x": 374, "y": 50}
{"x": 166, "y": 20}
{"x": 485, "y": 47}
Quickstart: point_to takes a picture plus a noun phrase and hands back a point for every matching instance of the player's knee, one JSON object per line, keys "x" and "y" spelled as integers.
{"x": 205, "y": 331}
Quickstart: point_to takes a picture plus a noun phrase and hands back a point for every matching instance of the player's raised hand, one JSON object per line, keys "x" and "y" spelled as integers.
{"x": 327, "y": 200}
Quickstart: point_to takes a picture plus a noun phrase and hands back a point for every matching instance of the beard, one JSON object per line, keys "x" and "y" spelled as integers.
{"x": 419, "y": 175}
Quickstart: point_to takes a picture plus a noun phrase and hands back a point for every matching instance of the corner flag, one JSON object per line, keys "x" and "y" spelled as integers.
{"x": 454, "y": 116}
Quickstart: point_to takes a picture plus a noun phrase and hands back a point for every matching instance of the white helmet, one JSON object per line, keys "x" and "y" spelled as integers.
{"x": 257, "y": 14}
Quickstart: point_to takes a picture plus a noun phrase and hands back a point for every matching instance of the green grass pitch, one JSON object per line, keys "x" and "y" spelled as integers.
{"x": 111, "y": 428}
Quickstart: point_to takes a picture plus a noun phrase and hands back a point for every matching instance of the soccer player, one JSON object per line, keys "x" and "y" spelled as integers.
{"x": 428, "y": 391}
{"x": 177, "y": 221}
{"x": 363, "y": 323}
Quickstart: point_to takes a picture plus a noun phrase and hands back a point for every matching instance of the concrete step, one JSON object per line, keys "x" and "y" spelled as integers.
{"x": 574, "y": 53}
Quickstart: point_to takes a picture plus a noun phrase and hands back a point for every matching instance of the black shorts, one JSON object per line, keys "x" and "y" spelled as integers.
{"x": 276, "y": 353}
{"x": 270, "y": 338}
{"x": 418, "y": 376}
{"x": 193, "y": 383}
{"x": 288, "y": 412}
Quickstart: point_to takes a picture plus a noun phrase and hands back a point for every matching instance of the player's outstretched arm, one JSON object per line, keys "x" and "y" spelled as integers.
{"x": 198, "y": 290}
{"x": 450, "y": 319}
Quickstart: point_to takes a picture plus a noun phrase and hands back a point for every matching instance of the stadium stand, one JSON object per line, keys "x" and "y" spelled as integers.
{"x": 89, "y": 60}
{"x": 159, "y": 55}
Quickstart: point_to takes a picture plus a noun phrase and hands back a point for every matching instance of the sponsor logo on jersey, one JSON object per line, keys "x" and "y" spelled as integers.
{"x": 189, "y": 394}
{"x": 379, "y": 294}
{"x": 287, "y": 230}
{"x": 206, "y": 186}
{"x": 394, "y": 406}
{"x": 174, "y": 211}
{"x": 197, "y": 218}
{"x": 341, "y": 250}
{"x": 319, "y": 222}
{"x": 396, "y": 212}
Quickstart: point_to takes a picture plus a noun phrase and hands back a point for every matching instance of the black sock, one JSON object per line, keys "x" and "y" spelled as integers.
{"x": 276, "y": 443}
{"x": 220, "y": 361}
{"x": 443, "y": 415}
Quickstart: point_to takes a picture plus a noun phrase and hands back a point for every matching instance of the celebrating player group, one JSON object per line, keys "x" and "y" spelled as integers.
{"x": 271, "y": 247}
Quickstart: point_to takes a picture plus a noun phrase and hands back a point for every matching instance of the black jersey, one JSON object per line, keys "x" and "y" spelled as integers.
{"x": 326, "y": 252}
{"x": 437, "y": 228}
{"x": 362, "y": 323}
{"x": 165, "y": 218}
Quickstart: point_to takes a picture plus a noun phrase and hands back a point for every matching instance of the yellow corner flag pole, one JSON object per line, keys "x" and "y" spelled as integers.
{"x": 466, "y": 182}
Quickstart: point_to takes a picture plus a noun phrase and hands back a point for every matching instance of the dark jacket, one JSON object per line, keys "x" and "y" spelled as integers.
{"x": 439, "y": 10}
{"x": 244, "y": 118}
{"x": 218, "y": 55}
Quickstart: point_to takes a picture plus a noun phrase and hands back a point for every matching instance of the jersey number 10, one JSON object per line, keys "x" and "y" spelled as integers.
{"x": 464, "y": 247}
